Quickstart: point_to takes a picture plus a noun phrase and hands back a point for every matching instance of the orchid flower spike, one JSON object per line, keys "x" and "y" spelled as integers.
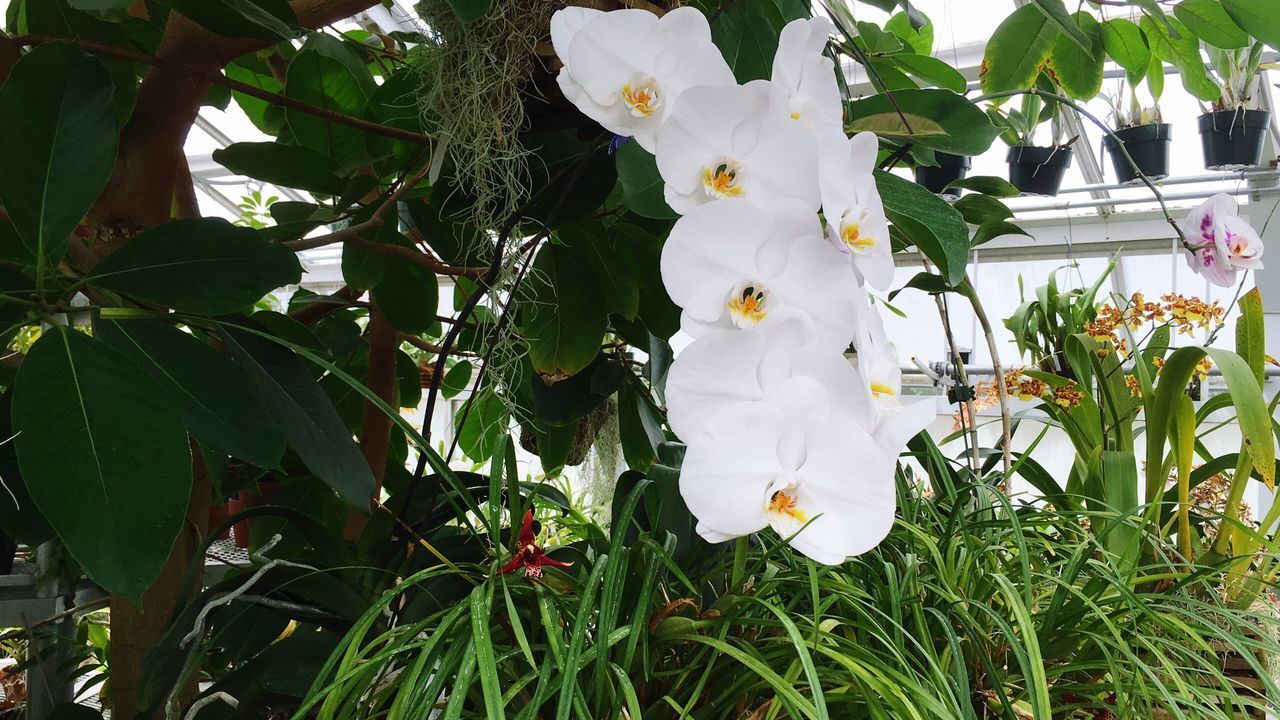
{"x": 624, "y": 69}
{"x": 725, "y": 375}
{"x": 734, "y": 264}
{"x": 896, "y": 421}
{"x": 729, "y": 142}
{"x": 792, "y": 464}
{"x": 529, "y": 555}
{"x": 856, "y": 221}
{"x": 1221, "y": 242}
{"x": 807, "y": 77}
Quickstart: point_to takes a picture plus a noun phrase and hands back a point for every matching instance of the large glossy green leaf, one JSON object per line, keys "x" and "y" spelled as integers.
{"x": 291, "y": 166}
{"x": 1077, "y": 71}
{"x": 1211, "y": 23}
{"x": 202, "y": 265}
{"x": 408, "y": 294}
{"x": 931, "y": 71}
{"x": 936, "y": 228}
{"x": 937, "y": 119}
{"x": 262, "y": 19}
{"x": 566, "y": 319}
{"x": 105, "y": 457}
{"x": 747, "y": 35}
{"x": 1017, "y": 50}
{"x": 1123, "y": 41}
{"x": 321, "y": 79}
{"x": 641, "y": 184}
{"x": 484, "y": 427}
{"x": 58, "y": 136}
{"x": 301, "y": 409}
{"x": 1183, "y": 51}
{"x": 20, "y": 519}
{"x": 1259, "y": 18}
{"x": 216, "y": 399}
{"x": 1058, "y": 14}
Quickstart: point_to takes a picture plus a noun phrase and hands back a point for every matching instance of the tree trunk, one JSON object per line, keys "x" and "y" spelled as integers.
{"x": 134, "y": 630}
{"x": 375, "y": 433}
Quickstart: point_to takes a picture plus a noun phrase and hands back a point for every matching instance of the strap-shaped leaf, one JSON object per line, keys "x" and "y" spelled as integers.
{"x": 105, "y": 457}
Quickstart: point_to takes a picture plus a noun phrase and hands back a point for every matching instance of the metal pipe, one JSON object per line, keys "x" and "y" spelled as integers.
{"x": 988, "y": 371}
{"x": 1255, "y": 174}
{"x": 1140, "y": 200}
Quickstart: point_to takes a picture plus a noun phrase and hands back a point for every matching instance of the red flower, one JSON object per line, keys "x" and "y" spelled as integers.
{"x": 528, "y": 555}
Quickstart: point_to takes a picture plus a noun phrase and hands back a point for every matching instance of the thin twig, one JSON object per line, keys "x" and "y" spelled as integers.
{"x": 1006, "y": 428}
{"x": 374, "y": 222}
{"x": 213, "y": 76}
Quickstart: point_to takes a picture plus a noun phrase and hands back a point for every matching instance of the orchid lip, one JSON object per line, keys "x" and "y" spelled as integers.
{"x": 642, "y": 97}
{"x": 722, "y": 179}
{"x": 748, "y": 304}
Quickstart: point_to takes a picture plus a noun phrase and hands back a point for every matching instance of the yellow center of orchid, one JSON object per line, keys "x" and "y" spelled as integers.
{"x": 884, "y": 392}
{"x": 780, "y": 503}
{"x": 795, "y": 116}
{"x": 747, "y": 305}
{"x": 642, "y": 98}
{"x": 852, "y": 237}
{"x": 721, "y": 180}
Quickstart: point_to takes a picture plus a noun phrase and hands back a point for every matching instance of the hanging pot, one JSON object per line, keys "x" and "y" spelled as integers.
{"x": 950, "y": 168}
{"x": 1038, "y": 170}
{"x": 1232, "y": 139}
{"x": 1148, "y": 145}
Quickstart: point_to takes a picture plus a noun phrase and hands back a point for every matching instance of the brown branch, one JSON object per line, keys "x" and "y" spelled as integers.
{"x": 373, "y": 223}
{"x": 325, "y": 305}
{"x": 10, "y": 53}
{"x": 428, "y": 347}
{"x": 215, "y": 77}
{"x": 420, "y": 259}
{"x": 375, "y": 432}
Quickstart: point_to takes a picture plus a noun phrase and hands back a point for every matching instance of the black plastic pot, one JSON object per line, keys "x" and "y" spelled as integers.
{"x": 1038, "y": 170}
{"x": 1232, "y": 139}
{"x": 1148, "y": 145}
{"x": 950, "y": 168}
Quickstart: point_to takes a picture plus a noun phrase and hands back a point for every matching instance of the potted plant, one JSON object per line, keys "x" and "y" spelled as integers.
{"x": 949, "y": 168}
{"x": 1233, "y": 128}
{"x": 1139, "y": 128}
{"x": 1033, "y": 169}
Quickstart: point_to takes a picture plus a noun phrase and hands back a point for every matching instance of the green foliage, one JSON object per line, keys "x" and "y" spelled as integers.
{"x": 58, "y": 136}
{"x": 1017, "y": 50}
{"x": 937, "y": 119}
{"x": 79, "y": 409}
{"x": 261, "y": 19}
{"x": 928, "y": 222}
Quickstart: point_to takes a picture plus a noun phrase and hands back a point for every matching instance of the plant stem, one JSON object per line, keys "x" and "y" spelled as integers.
{"x": 963, "y": 377}
{"x": 1006, "y": 429}
{"x": 1164, "y": 209}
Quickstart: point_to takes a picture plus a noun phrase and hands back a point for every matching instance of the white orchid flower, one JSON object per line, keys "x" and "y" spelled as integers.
{"x": 624, "y": 69}
{"x": 807, "y": 77}
{"x": 728, "y": 374}
{"x": 896, "y": 421}
{"x": 855, "y": 215}
{"x": 1222, "y": 242}
{"x": 792, "y": 464}
{"x": 731, "y": 142}
{"x": 734, "y": 264}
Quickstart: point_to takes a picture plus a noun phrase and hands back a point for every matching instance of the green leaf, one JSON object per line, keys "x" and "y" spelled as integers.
{"x": 1057, "y": 13}
{"x": 261, "y": 19}
{"x": 1120, "y": 493}
{"x": 408, "y": 295}
{"x": 1077, "y": 71}
{"x": 320, "y": 79}
{"x": 747, "y": 35}
{"x": 470, "y": 10}
{"x": 610, "y": 267}
{"x": 1124, "y": 42}
{"x": 566, "y": 319}
{"x": 104, "y": 9}
{"x": 301, "y": 409}
{"x": 876, "y": 41}
{"x": 1183, "y": 52}
{"x": 980, "y": 209}
{"x": 987, "y": 185}
{"x": 215, "y": 398}
{"x": 1211, "y": 23}
{"x": 991, "y": 230}
{"x": 936, "y": 228}
{"x": 919, "y": 40}
{"x": 1251, "y": 334}
{"x": 486, "y": 422}
{"x": 641, "y": 184}
{"x": 456, "y": 379}
{"x": 639, "y": 428}
{"x": 20, "y": 519}
{"x": 58, "y": 137}
{"x": 291, "y": 166}
{"x": 1258, "y": 17}
{"x": 1017, "y": 51}
{"x": 105, "y": 458}
{"x": 937, "y": 119}
{"x": 932, "y": 71}
{"x": 202, "y": 265}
